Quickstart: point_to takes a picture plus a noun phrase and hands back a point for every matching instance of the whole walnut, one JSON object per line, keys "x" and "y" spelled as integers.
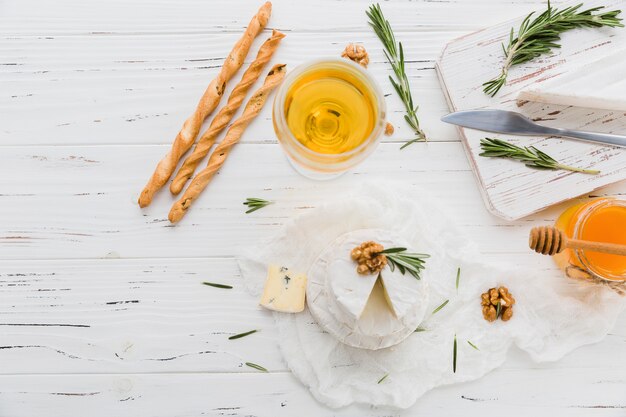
{"x": 494, "y": 297}
{"x": 368, "y": 257}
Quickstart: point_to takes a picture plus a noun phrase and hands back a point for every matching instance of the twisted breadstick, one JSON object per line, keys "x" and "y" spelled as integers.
{"x": 220, "y": 153}
{"x": 207, "y": 104}
{"x": 226, "y": 113}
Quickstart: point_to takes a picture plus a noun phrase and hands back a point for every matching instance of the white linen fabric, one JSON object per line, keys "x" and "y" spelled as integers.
{"x": 552, "y": 316}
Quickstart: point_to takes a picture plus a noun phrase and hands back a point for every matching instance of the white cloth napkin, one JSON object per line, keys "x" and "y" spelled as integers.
{"x": 547, "y": 324}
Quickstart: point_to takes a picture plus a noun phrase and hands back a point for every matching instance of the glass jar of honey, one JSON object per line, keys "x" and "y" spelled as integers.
{"x": 598, "y": 220}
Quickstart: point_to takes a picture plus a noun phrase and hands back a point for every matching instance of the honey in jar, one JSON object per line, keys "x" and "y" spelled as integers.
{"x": 599, "y": 220}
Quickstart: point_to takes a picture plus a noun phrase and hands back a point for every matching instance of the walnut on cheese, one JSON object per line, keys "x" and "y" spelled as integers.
{"x": 490, "y": 300}
{"x": 356, "y": 53}
{"x": 369, "y": 258}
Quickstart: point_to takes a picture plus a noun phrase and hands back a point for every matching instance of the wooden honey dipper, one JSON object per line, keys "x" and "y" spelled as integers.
{"x": 550, "y": 240}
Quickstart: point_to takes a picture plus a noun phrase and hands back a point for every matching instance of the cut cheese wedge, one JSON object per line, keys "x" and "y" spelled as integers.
{"x": 600, "y": 84}
{"x": 284, "y": 290}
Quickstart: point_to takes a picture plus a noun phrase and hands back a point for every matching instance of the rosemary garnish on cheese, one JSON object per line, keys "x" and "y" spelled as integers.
{"x": 538, "y": 36}
{"x": 413, "y": 263}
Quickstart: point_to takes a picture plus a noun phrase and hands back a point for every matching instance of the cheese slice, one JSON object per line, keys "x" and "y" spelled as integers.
{"x": 284, "y": 290}
{"x": 600, "y": 84}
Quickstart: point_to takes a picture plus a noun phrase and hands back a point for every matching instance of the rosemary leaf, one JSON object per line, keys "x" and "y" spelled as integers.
{"x": 530, "y": 156}
{"x": 240, "y": 335}
{"x": 255, "y": 204}
{"x": 440, "y": 307}
{"x": 213, "y": 284}
{"x": 413, "y": 263}
{"x": 454, "y": 355}
{"x": 472, "y": 345}
{"x": 458, "y": 277}
{"x": 395, "y": 55}
{"x": 540, "y": 35}
{"x": 498, "y": 309}
{"x": 383, "y": 378}
{"x": 419, "y": 329}
{"x": 257, "y": 367}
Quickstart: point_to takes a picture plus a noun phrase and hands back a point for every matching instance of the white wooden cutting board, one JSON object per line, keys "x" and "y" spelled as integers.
{"x": 510, "y": 189}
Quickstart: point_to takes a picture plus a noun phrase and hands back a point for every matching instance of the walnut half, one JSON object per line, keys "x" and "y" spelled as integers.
{"x": 356, "y": 53}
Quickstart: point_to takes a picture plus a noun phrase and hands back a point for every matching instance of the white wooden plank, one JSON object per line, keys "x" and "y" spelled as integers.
{"x": 154, "y": 315}
{"x": 80, "y": 202}
{"x": 130, "y": 316}
{"x": 36, "y": 17}
{"x": 139, "y": 89}
{"x": 511, "y": 191}
{"x": 512, "y": 393}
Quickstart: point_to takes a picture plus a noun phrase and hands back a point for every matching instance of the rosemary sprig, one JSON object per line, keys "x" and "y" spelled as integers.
{"x": 395, "y": 56}
{"x": 213, "y": 284}
{"x": 472, "y": 345}
{"x": 442, "y": 305}
{"x": 382, "y": 379}
{"x": 454, "y": 355}
{"x": 257, "y": 367}
{"x": 538, "y": 36}
{"x": 240, "y": 335}
{"x": 255, "y": 204}
{"x": 412, "y": 263}
{"x": 531, "y": 156}
{"x": 458, "y": 278}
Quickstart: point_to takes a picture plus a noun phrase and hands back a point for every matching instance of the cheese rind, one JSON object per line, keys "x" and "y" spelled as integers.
{"x": 377, "y": 327}
{"x": 600, "y": 84}
{"x": 284, "y": 290}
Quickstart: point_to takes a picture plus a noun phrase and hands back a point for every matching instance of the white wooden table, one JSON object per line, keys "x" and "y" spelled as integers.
{"x": 101, "y": 308}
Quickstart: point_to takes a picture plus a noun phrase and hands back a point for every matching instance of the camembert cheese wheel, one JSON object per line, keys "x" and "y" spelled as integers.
{"x": 367, "y": 311}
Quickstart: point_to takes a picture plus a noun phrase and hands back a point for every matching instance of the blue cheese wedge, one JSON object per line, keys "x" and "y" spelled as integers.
{"x": 600, "y": 85}
{"x": 284, "y": 290}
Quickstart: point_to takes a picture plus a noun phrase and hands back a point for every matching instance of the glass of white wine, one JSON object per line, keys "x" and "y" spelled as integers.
{"x": 328, "y": 115}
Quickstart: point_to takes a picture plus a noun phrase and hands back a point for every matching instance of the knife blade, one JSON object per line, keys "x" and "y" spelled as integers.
{"x": 512, "y": 123}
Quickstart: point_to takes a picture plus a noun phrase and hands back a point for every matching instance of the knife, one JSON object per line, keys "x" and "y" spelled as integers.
{"x": 509, "y": 122}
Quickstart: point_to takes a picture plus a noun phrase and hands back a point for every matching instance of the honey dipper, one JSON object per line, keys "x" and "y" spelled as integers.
{"x": 550, "y": 240}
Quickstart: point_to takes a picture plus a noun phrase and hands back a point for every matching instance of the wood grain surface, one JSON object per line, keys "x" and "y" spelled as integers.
{"x": 102, "y": 310}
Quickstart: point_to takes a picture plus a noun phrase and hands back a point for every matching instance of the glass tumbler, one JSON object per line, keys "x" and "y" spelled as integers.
{"x": 327, "y": 165}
